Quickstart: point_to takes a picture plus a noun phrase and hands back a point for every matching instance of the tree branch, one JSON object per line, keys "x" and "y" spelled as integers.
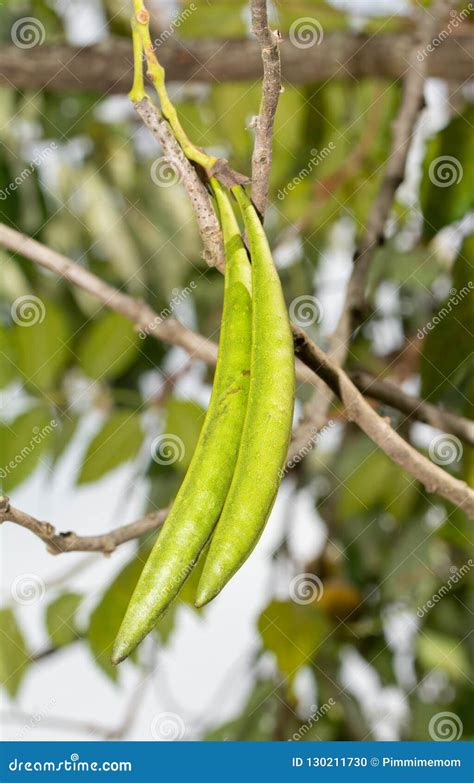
{"x": 379, "y": 430}
{"x": 144, "y": 317}
{"x": 387, "y": 392}
{"x": 174, "y": 333}
{"x": 206, "y": 217}
{"x": 262, "y": 152}
{"x": 58, "y": 543}
{"x": 106, "y": 67}
{"x": 354, "y": 308}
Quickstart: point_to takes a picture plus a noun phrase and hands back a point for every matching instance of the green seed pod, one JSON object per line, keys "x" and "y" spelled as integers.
{"x": 200, "y": 499}
{"x": 267, "y": 427}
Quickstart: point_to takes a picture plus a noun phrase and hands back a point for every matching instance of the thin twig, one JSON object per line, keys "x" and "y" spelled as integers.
{"x": 412, "y": 406}
{"x": 354, "y": 308}
{"x": 174, "y": 333}
{"x": 206, "y": 217}
{"x": 341, "y": 55}
{"x": 269, "y": 42}
{"x": 144, "y": 317}
{"x": 57, "y": 543}
{"x": 379, "y": 430}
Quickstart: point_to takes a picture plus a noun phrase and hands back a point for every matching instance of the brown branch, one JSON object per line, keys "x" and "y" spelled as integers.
{"x": 413, "y": 407}
{"x": 355, "y": 306}
{"x": 107, "y": 67}
{"x": 379, "y": 430}
{"x": 58, "y": 543}
{"x": 146, "y": 319}
{"x": 206, "y": 217}
{"x": 174, "y": 333}
{"x": 269, "y": 42}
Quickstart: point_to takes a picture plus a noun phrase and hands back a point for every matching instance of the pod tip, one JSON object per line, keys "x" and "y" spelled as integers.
{"x": 120, "y": 651}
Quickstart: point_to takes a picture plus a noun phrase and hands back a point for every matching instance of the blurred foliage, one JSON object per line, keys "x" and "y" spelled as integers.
{"x": 95, "y": 198}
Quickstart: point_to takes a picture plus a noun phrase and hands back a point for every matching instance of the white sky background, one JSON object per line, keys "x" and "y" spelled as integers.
{"x": 203, "y": 673}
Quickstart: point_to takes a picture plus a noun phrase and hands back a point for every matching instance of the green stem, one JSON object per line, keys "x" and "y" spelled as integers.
{"x": 143, "y": 45}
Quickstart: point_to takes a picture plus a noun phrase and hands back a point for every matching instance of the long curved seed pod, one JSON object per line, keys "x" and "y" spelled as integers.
{"x": 267, "y": 427}
{"x": 202, "y": 494}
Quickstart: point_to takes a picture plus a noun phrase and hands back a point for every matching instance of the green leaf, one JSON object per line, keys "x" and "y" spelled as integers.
{"x": 107, "y": 616}
{"x": 108, "y": 348}
{"x": 14, "y": 657}
{"x": 23, "y": 442}
{"x": 60, "y": 619}
{"x": 446, "y": 192}
{"x": 184, "y": 420}
{"x": 40, "y": 338}
{"x": 292, "y": 632}
{"x": 118, "y": 440}
{"x": 8, "y": 362}
{"x": 445, "y": 364}
{"x": 371, "y": 480}
{"x": 437, "y": 651}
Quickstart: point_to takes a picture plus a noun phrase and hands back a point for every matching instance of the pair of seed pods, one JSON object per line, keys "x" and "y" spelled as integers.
{"x": 234, "y": 475}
